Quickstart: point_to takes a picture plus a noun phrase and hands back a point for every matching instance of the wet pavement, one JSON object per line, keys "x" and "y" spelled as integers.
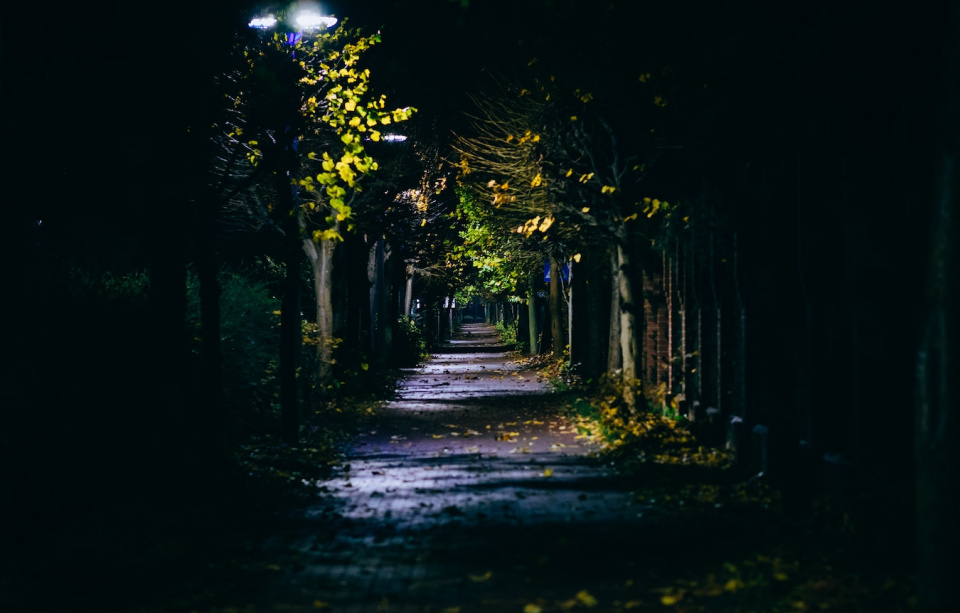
{"x": 470, "y": 493}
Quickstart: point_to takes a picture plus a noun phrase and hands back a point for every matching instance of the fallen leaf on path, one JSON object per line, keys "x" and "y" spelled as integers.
{"x": 585, "y": 597}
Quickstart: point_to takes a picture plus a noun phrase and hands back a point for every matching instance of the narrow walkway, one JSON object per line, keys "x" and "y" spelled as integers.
{"x": 471, "y": 494}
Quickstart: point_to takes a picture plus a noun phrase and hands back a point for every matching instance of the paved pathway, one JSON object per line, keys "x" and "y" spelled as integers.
{"x": 470, "y": 494}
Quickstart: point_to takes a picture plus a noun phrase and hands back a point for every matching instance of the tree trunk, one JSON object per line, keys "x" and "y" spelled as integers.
{"x": 629, "y": 328}
{"x": 614, "y": 354}
{"x": 380, "y": 304}
{"x": 582, "y": 328}
{"x": 290, "y": 343}
{"x": 321, "y": 261}
{"x": 556, "y": 323}
{"x": 408, "y": 291}
{"x": 937, "y": 360}
{"x": 211, "y": 412}
{"x": 532, "y": 316}
{"x": 592, "y": 333}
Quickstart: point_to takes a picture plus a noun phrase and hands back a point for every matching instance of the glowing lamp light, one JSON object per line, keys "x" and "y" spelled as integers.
{"x": 263, "y": 23}
{"x": 394, "y": 138}
{"x": 314, "y": 21}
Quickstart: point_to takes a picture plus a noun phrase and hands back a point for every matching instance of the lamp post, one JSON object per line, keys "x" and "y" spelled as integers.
{"x": 287, "y": 163}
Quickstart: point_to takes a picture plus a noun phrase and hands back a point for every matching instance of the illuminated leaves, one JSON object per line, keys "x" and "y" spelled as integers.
{"x": 537, "y": 224}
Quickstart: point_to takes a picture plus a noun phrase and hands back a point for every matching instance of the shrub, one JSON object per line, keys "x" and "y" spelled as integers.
{"x": 409, "y": 343}
{"x": 508, "y": 334}
{"x": 250, "y": 338}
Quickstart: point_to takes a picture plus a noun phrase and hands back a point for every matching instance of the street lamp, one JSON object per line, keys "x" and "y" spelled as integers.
{"x": 310, "y": 20}
{"x": 263, "y": 23}
{"x": 304, "y": 19}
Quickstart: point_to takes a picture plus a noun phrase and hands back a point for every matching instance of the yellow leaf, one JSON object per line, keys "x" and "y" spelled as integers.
{"x": 509, "y": 137}
{"x": 533, "y": 608}
{"x": 670, "y": 599}
{"x": 537, "y": 180}
{"x": 375, "y": 136}
{"x": 423, "y": 223}
{"x": 576, "y": 258}
{"x": 569, "y": 172}
{"x": 585, "y": 597}
{"x": 585, "y": 209}
{"x": 365, "y": 366}
{"x": 733, "y": 585}
{"x": 350, "y": 106}
{"x": 573, "y": 118}
{"x": 548, "y": 472}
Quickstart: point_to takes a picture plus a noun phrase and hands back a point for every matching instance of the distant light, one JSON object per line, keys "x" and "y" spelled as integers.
{"x": 264, "y": 23}
{"x": 394, "y": 138}
{"x": 314, "y": 21}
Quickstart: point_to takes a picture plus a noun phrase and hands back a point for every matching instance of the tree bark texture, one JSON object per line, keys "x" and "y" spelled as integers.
{"x": 629, "y": 329}
{"x": 321, "y": 261}
{"x": 614, "y": 354}
{"x": 556, "y": 322}
{"x": 408, "y": 291}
